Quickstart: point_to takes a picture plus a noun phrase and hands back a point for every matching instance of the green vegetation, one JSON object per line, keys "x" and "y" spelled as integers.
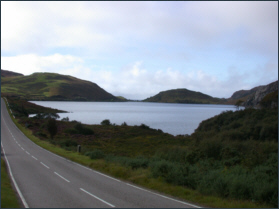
{"x": 270, "y": 100}
{"x": 184, "y": 96}
{"x": 106, "y": 122}
{"x": 8, "y": 195}
{"x": 52, "y": 86}
{"x": 52, "y": 127}
{"x": 230, "y": 161}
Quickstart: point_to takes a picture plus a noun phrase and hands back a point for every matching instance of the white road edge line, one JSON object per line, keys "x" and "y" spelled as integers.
{"x": 97, "y": 198}
{"x": 14, "y": 181}
{"x": 106, "y": 175}
{"x": 185, "y": 203}
{"x": 45, "y": 165}
{"x": 62, "y": 177}
{"x": 34, "y": 157}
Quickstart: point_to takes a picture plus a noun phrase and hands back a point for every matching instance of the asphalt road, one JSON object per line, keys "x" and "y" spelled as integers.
{"x": 45, "y": 180}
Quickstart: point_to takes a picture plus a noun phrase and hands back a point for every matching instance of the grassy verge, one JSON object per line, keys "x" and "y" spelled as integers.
{"x": 8, "y": 195}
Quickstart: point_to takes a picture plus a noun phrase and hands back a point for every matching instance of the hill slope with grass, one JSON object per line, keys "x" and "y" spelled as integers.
{"x": 52, "y": 86}
{"x": 6, "y": 73}
{"x": 183, "y": 96}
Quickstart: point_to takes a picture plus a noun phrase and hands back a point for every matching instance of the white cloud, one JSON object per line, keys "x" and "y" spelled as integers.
{"x": 30, "y": 63}
{"x": 105, "y": 27}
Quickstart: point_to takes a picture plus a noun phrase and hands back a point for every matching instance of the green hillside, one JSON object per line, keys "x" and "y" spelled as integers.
{"x": 52, "y": 86}
{"x": 183, "y": 96}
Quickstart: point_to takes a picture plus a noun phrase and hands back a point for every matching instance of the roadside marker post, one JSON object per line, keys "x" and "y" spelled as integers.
{"x": 78, "y": 148}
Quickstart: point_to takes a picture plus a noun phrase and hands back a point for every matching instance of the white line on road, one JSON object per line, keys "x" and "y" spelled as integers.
{"x": 185, "y": 203}
{"x": 45, "y": 165}
{"x": 34, "y": 157}
{"x": 22, "y": 148}
{"x": 97, "y": 198}
{"x": 27, "y": 153}
{"x": 14, "y": 181}
{"x": 62, "y": 177}
{"x": 106, "y": 175}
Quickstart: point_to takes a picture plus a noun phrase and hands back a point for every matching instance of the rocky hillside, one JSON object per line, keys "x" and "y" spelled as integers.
{"x": 255, "y": 99}
{"x": 244, "y": 93}
{"x": 52, "y": 86}
{"x": 183, "y": 96}
{"x": 261, "y": 96}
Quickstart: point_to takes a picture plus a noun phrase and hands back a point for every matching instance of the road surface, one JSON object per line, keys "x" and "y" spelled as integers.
{"x": 45, "y": 180}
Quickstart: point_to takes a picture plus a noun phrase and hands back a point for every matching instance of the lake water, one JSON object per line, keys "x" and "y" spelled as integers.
{"x": 170, "y": 118}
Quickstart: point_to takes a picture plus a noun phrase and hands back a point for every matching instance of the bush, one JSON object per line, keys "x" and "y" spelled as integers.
{"x": 214, "y": 183}
{"x": 96, "y": 154}
{"x": 71, "y": 131}
{"x": 176, "y": 154}
{"x": 134, "y": 163}
{"x": 66, "y": 119}
{"x": 52, "y": 127}
{"x": 106, "y": 122}
{"x": 83, "y": 130}
{"x": 124, "y": 124}
{"x": 41, "y": 134}
{"x": 171, "y": 172}
{"x": 139, "y": 162}
{"x": 241, "y": 187}
{"x": 143, "y": 126}
{"x": 68, "y": 143}
{"x": 211, "y": 148}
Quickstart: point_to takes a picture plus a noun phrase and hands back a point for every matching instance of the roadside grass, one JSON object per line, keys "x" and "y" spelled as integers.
{"x": 141, "y": 176}
{"x": 8, "y": 195}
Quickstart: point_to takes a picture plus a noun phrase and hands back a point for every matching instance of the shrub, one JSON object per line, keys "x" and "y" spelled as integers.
{"x": 124, "y": 124}
{"x": 71, "y": 131}
{"x": 176, "y": 154}
{"x": 83, "y": 130}
{"x": 106, "y": 122}
{"x": 52, "y": 127}
{"x": 96, "y": 154}
{"x": 241, "y": 187}
{"x": 143, "y": 126}
{"x": 139, "y": 162}
{"x": 41, "y": 134}
{"x": 211, "y": 148}
{"x": 171, "y": 172}
{"x": 66, "y": 119}
{"x": 68, "y": 143}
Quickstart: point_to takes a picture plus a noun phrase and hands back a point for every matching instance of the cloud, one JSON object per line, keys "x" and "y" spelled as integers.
{"x": 212, "y": 47}
{"x": 30, "y": 63}
{"x": 104, "y": 27}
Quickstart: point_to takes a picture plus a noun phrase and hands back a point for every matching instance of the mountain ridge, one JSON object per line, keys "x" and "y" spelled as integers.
{"x": 57, "y": 87}
{"x": 183, "y": 95}
{"x": 53, "y": 86}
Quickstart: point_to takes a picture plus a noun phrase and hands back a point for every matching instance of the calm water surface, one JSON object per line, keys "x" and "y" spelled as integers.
{"x": 170, "y": 118}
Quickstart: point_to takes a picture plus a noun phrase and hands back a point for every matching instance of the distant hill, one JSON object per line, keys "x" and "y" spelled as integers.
{"x": 260, "y": 96}
{"x": 53, "y": 86}
{"x": 184, "y": 96}
{"x": 6, "y": 73}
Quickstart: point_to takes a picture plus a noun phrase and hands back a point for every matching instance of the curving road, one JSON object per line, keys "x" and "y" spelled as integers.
{"x": 45, "y": 180}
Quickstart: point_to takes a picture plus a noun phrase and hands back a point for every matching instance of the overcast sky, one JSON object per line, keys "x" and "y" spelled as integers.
{"x": 137, "y": 49}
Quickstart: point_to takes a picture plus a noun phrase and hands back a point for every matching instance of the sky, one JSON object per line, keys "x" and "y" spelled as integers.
{"x": 138, "y": 49}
